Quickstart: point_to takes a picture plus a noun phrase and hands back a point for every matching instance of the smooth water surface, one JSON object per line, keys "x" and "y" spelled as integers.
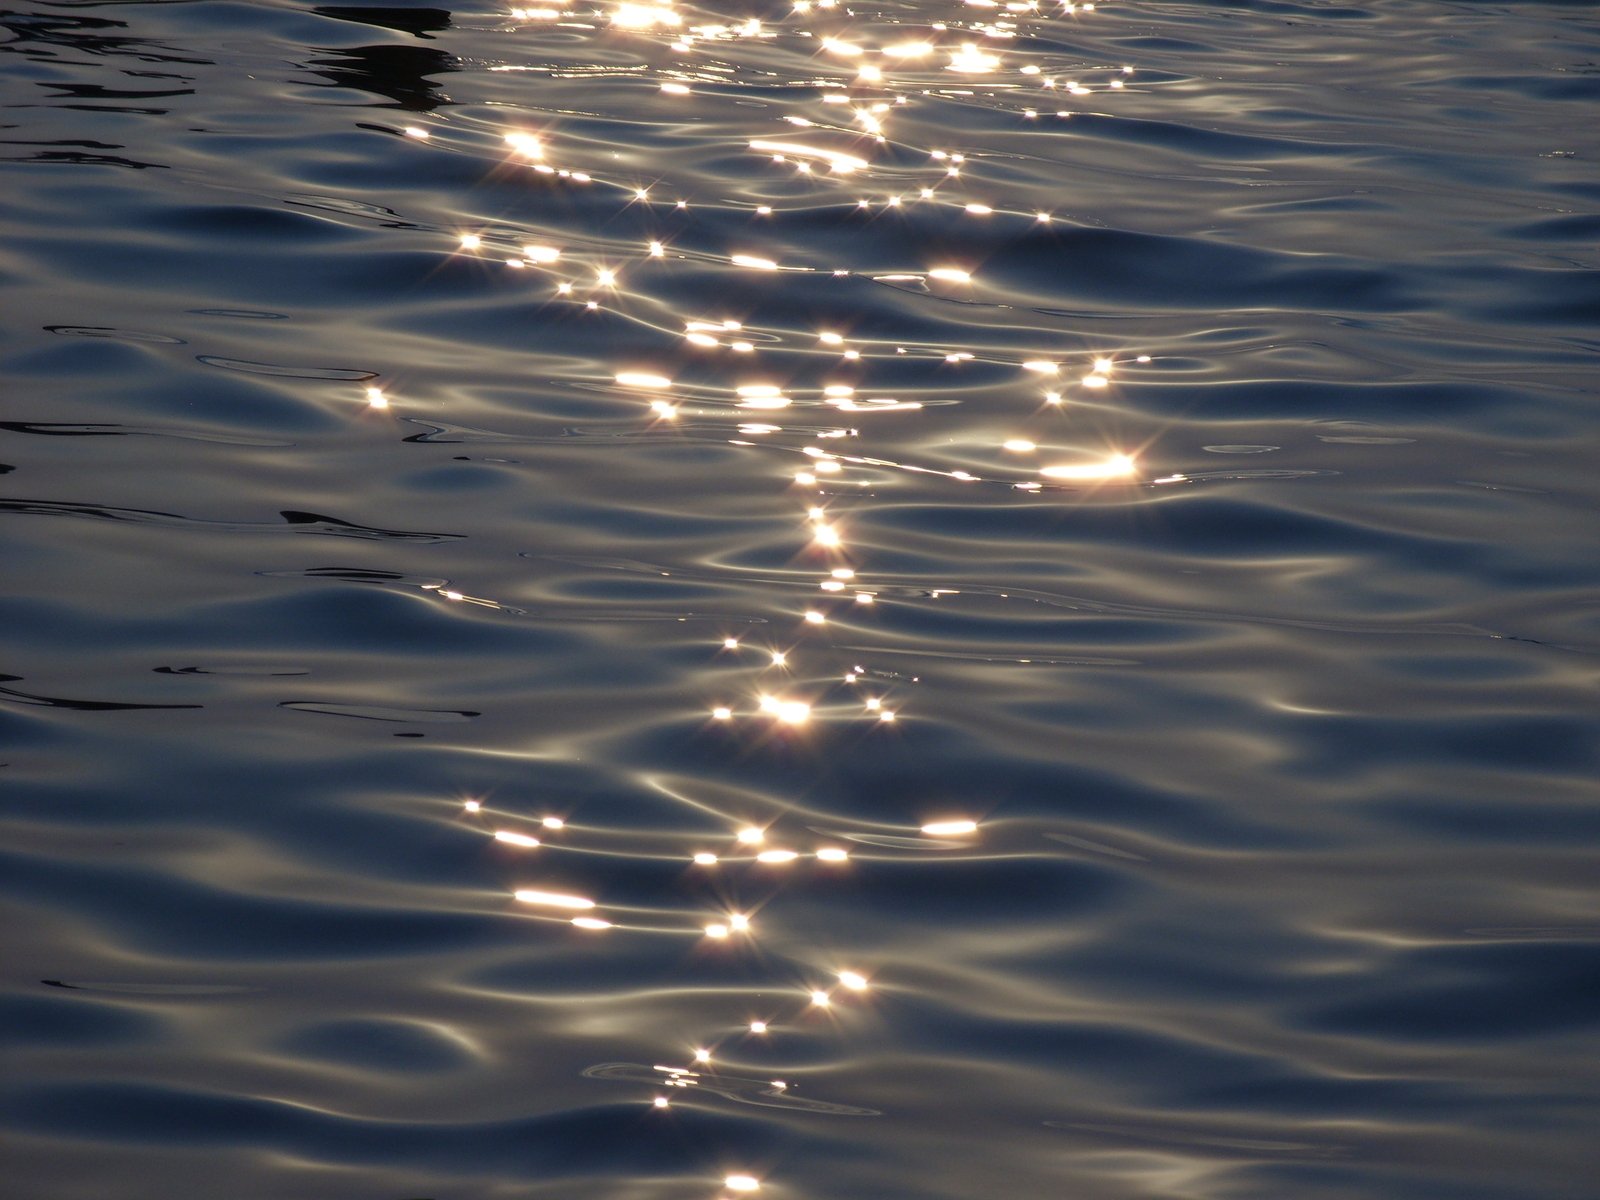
{"x": 732, "y": 445}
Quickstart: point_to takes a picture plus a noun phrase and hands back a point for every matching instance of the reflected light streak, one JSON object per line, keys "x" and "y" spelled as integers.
{"x": 1118, "y": 466}
{"x": 515, "y": 839}
{"x": 853, "y": 980}
{"x": 643, "y": 379}
{"x": 840, "y": 161}
{"x": 591, "y": 923}
{"x": 833, "y": 854}
{"x": 950, "y": 274}
{"x": 553, "y": 899}
{"x": 949, "y": 828}
{"x": 972, "y": 61}
{"x": 643, "y": 16}
{"x": 777, "y": 856}
{"x": 741, "y": 1183}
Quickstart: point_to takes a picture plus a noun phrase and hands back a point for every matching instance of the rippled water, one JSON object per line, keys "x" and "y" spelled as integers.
{"x": 1160, "y": 434}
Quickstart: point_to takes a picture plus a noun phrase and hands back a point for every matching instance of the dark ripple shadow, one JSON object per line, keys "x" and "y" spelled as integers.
{"x": 294, "y": 521}
{"x": 582, "y": 1142}
{"x": 1466, "y": 994}
{"x": 161, "y": 911}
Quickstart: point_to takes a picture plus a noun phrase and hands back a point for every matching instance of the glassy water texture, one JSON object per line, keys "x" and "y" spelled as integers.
{"x": 920, "y": 600}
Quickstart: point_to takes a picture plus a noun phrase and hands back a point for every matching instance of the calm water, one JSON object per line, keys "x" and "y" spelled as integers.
{"x": 1161, "y": 435}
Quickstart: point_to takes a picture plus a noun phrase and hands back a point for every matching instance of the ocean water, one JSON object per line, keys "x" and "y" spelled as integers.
{"x": 1081, "y": 517}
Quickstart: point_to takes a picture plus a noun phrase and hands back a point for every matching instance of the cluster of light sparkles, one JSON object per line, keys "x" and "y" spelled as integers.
{"x": 811, "y": 998}
{"x": 856, "y": 105}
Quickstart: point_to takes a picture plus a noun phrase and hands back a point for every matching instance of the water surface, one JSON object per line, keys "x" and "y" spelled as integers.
{"x": 1159, "y": 434}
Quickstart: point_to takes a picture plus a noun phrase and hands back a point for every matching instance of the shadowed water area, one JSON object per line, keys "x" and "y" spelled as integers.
{"x": 908, "y": 601}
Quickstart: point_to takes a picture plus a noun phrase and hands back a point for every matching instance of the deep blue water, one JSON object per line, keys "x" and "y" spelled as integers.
{"x": 1162, "y": 435}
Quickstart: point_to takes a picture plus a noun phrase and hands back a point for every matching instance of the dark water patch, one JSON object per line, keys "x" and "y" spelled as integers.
{"x": 127, "y": 335}
{"x": 162, "y": 912}
{"x": 403, "y": 75}
{"x": 18, "y": 696}
{"x": 1192, "y": 141}
{"x": 374, "y": 712}
{"x": 417, "y": 20}
{"x": 372, "y": 1044}
{"x": 1475, "y": 993}
{"x": 348, "y": 374}
{"x": 574, "y": 1144}
{"x": 61, "y": 429}
{"x": 29, "y": 1021}
{"x": 293, "y": 521}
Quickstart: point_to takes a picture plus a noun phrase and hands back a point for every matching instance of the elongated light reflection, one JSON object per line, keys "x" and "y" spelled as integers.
{"x": 838, "y": 159}
{"x": 949, "y": 828}
{"x": 553, "y": 899}
{"x": 1118, "y": 466}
